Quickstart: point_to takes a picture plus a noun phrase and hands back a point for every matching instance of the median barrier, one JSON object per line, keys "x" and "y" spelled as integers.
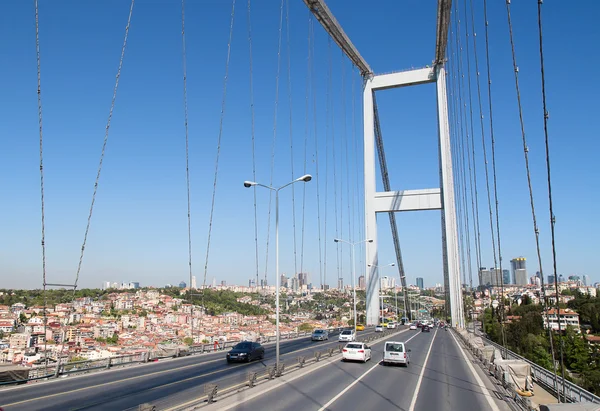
{"x": 233, "y": 384}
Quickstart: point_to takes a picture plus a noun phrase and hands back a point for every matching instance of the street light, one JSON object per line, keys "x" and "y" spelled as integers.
{"x": 305, "y": 178}
{"x": 381, "y": 291}
{"x": 338, "y": 240}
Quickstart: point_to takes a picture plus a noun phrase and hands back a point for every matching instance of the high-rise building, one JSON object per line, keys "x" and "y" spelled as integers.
{"x": 361, "y": 281}
{"x": 420, "y": 282}
{"x": 134, "y": 285}
{"x": 550, "y": 279}
{"x": 194, "y": 282}
{"x": 106, "y": 285}
{"x": 302, "y": 279}
{"x": 340, "y": 283}
{"x": 491, "y": 277}
{"x": 574, "y": 278}
{"x": 519, "y": 263}
{"x": 506, "y": 276}
{"x": 561, "y": 278}
{"x": 283, "y": 281}
{"x": 521, "y": 276}
{"x": 223, "y": 283}
{"x": 182, "y": 284}
{"x": 586, "y": 280}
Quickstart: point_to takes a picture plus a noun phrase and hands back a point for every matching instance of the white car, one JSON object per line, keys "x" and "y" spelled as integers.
{"x": 391, "y": 324}
{"x": 395, "y": 352}
{"x": 347, "y": 335}
{"x": 356, "y": 351}
{"x": 379, "y": 328}
{"x": 413, "y": 327}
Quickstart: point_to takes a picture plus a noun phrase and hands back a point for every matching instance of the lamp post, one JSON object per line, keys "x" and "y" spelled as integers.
{"x": 305, "y": 178}
{"x": 337, "y": 240}
{"x": 381, "y": 290}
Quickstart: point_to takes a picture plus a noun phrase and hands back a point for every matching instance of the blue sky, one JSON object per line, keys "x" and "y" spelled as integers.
{"x": 139, "y": 226}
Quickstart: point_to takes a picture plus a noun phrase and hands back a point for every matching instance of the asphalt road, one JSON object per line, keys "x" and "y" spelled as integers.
{"x": 119, "y": 389}
{"x": 438, "y": 378}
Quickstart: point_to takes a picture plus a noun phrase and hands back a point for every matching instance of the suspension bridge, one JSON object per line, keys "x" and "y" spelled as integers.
{"x": 315, "y": 103}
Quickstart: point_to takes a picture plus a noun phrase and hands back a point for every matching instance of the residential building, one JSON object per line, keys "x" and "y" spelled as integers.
{"x": 567, "y": 317}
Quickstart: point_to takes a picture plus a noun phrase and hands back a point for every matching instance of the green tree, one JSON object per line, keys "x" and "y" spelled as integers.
{"x": 1, "y": 334}
{"x": 188, "y": 340}
{"x": 22, "y": 318}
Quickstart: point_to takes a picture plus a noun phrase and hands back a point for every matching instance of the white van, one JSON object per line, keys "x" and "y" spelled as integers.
{"x": 395, "y": 352}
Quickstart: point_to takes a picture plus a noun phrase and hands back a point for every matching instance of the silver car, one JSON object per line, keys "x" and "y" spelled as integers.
{"x": 319, "y": 335}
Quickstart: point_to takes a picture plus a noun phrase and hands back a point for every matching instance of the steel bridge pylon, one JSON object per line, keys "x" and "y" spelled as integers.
{"x": 411, "y": 200}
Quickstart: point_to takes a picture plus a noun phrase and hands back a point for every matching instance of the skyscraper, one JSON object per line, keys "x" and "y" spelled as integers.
{"x": 361, "y": 281}
{"x": 340, "y": 283}
{"x": 519, "y": 263}
{"x": 506, "y": 277}
{"x": 420, "y": 282}
{"x": 521, "y": 276}
{"x": 586, "y": 280}
{"x": 194, "y": 282}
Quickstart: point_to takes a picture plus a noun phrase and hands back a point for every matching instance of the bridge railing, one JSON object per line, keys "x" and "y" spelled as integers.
{"x": 55, "y": 370}
{"x": 547, "y": 379}
{"x": 220, "y": 387}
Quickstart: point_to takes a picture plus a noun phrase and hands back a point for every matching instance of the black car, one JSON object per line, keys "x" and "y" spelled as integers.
{"x": 425, "y": 329}
{"x": 246, "y": 351}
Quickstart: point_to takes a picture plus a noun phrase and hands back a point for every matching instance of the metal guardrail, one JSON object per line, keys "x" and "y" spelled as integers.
{"x": 574, "y": 393}
{"x": 54, "y": 370}
{"x": 234, "y": 383}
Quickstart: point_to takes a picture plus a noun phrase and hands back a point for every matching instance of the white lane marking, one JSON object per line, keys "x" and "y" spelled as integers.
{"x": 334, "y": 399}
{"x": 420, "y": 380}
{"x": 168, "y": 370}
{"x": 282, "y": 381}
{"x": 484, "y": 390}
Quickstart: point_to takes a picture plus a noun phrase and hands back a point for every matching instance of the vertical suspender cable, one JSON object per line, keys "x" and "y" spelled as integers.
{"x": 274, "y": 137}
{"x": 223, "y": 105}
{"x": 552, "y": 217}
{"x": 43, "y": 217}
{"x": 311, "y": 39}
{"x": 110, "y": 114}
{"x": 187, "y": 163}
{"x": 253, "y": 134}
{"x": 289, "y": 81}
{"x": 471, "y": 155}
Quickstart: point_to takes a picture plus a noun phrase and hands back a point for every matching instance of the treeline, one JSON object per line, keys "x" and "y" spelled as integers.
{"x": 528, "y": 337}
{"x": 36, "y": 297}
{"x": 217, "y": 302}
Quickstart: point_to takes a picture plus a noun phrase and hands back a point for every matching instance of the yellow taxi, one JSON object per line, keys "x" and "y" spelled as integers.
{"x": 360, "y": 327}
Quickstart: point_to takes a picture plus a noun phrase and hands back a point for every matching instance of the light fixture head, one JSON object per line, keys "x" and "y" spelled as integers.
{"x": 306, "y": 178}
{"x": 249, "y": 184}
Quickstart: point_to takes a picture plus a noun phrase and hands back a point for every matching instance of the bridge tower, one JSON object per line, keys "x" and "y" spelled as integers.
{"x": 408, "y": 200}
{"x": 412, "y": 200}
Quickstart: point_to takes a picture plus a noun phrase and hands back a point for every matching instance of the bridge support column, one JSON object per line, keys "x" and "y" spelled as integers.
{"x": 395, "y": 201}
{"x": 449, "y": 226}
{"x": 371, "y": 259}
